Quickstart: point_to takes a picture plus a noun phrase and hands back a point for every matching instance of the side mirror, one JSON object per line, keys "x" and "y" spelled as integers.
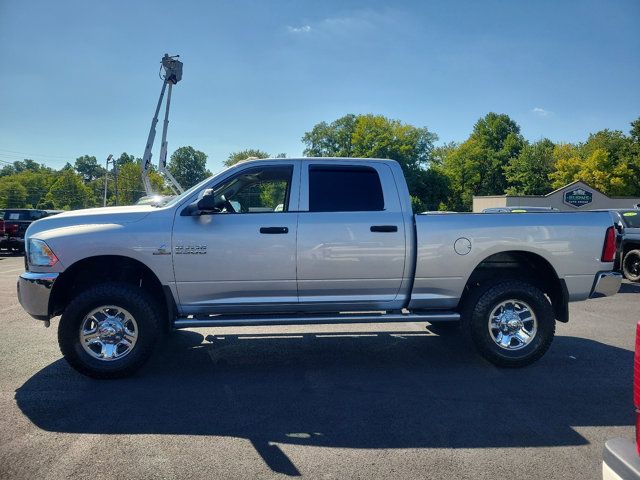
{"x": 208, "y": 203}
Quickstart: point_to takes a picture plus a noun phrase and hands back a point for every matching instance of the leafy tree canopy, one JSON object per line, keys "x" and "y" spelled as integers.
{"x": 236, "y": 157}
{"x": 528, "y": 173}
{"x": 87, "y": 166}
{"x": 188, "y": 166}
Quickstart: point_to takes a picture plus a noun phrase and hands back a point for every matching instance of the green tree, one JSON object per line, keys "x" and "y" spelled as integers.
{"x": 567, "y": 162}
{"x": 236, "y": 157}
{"x": 69, "y": 192}
{"x": 12, "y": 194}
{"x": 375, "y": 136}
{"x": 87, "y": 166}
{"x": 130, "y": 186}
{"x": 595, "y": 166}
{"x": 125, "y": 158}
{"x": 331, "y": 140}
{"x": 37, "y": 184}
{"x": 528, "y": 173}
{"x": 188, "y": 166}
{"x": 463, "y": 168}
{"x": 634, "y": 133}
{"x": 477, "y": 166}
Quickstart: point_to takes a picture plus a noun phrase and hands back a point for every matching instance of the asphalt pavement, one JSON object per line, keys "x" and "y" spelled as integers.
{"x": 348, "y": 401}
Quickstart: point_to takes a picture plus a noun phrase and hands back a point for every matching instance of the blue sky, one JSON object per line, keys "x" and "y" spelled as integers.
{"x": 80, "y": 77}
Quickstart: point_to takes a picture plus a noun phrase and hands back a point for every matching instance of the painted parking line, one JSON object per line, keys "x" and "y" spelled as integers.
{"x": 12, "y": 270}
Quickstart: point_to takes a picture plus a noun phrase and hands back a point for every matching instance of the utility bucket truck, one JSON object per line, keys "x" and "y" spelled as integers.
{"x": 172, "y": 75}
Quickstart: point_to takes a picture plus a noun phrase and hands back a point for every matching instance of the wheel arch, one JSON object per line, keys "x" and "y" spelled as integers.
{"x": 629, "y": 245}
{"x": 510, "y": 264}
{"x": 92, "y": 271}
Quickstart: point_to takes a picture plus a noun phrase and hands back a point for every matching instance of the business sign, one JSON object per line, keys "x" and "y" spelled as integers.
{"x": 578, "y": 197}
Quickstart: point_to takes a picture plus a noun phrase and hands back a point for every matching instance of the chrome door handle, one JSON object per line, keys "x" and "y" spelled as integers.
{"x": 274, "y": 230}
{"x": 384, "y": 228}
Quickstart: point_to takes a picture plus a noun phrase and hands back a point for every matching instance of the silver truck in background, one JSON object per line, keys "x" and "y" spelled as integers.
{"x": 302, "y": 241}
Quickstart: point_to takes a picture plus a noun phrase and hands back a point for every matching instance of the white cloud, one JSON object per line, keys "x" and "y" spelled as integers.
{"x": 358, "y": 22}
{"x": 541, "y": 112}
{"x": 301, "y": 29}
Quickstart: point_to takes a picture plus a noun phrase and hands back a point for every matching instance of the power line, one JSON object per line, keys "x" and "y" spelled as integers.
{"x": 34, "y": 154}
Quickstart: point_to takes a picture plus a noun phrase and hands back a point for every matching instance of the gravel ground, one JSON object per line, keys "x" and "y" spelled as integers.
{"x": 348, "y": 401}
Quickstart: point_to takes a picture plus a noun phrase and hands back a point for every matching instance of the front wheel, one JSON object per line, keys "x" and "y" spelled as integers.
{"x": 512, "y": 324}
{"x": 631, "y": 265}
{"x": 109, "y": 330}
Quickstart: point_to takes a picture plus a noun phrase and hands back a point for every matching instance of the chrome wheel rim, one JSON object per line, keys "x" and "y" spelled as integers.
{"x": 512, "y": 324}
{"x": 634, "y": 265}
{"x": 108, "y": 333}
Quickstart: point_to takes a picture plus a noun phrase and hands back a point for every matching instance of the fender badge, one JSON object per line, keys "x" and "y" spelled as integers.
{"x": 190, "y": 249}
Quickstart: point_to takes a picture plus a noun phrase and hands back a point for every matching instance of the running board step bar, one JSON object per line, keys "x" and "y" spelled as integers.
{"x": 251, "y": 320}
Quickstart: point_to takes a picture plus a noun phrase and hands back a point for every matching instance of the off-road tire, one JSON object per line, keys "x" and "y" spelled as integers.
{"x": 628, "y": 262}
{"x": 135, "y": 301}
{"x": 481, "y": 302}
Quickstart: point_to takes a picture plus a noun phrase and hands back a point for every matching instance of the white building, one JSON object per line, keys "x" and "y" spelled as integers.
{"x": 573, "y": 197}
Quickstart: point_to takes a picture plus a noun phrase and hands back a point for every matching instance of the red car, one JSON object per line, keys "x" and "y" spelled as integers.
{"x": 621, "y": 455}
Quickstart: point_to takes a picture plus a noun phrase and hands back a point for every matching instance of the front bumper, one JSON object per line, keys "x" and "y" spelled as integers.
{"x": 621, "y": 460}
{"x": 606, "y": 284}
{"x": 34, "y": 290}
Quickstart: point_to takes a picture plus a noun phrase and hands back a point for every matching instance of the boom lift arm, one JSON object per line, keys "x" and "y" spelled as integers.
{"x": 172, "y": 75}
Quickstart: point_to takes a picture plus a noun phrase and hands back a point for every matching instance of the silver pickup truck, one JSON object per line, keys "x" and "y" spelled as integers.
{"x": 304, "y": 241}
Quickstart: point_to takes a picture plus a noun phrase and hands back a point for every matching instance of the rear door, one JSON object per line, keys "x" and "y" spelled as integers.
{"x": 351, "y": 236}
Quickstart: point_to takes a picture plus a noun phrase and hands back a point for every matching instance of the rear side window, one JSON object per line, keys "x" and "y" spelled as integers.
{"x": 336, "y": 188}
{"x": 631, "y": 218}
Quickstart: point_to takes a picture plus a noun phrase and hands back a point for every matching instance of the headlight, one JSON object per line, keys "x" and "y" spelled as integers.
{"x": 40, "y": 255}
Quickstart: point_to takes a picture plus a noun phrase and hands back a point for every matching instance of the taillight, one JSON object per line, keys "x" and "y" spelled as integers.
{"x": 12, "y": 229}
{"x": 609, "y": 249}
{"x": 1, "y": 227}
{"x": 636, "y": 386}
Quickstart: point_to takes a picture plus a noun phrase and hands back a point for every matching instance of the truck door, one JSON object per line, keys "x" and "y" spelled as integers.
{"x": 241, "y": 258}
{"x": 351, "y": 236}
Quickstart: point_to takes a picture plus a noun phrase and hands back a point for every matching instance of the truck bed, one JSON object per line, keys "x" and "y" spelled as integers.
{"x": 571, "y": 242}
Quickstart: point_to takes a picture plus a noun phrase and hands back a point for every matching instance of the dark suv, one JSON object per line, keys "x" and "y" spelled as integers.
{"x": 628, "y": 223}
{"x": 16, "y": 221}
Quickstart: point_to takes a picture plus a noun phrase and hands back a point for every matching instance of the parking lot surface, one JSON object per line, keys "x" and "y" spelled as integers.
{"x": 357, "y": 401}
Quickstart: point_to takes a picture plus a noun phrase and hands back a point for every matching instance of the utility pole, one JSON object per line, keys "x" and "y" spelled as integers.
{"x": 115, "y": 178}
{"x": 106, "y": 176}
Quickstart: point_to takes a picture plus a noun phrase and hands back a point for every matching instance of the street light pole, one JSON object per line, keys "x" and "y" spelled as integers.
{"x": 106, "y": 175}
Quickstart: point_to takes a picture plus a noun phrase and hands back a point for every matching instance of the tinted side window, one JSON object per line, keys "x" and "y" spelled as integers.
{"x": 344, "y": 189}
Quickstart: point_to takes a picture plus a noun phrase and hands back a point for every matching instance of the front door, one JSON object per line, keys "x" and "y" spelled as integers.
{"x": 241, "y": 258}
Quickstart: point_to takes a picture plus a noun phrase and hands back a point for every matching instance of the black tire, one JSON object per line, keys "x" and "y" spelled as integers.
{"x": 481, "y": 303}
{"x": 136, "y": 302}
{"x": 631, "y": 265}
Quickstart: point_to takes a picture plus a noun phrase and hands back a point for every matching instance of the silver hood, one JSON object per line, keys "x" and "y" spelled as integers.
{"x": 92, "y": 216}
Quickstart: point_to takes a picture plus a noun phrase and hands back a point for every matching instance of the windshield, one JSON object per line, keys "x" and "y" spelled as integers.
{"x": 631, "y": 218}
{"x": 188, "y": 193}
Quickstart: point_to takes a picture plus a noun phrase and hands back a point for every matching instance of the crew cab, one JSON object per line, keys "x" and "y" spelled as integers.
{"x": 308, "y": 241}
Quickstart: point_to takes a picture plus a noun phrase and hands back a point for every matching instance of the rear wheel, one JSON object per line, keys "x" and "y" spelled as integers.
{"x": 109, "y": 330}
{"x": 512, "y": 324}
{"x": 631, "y": 265}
